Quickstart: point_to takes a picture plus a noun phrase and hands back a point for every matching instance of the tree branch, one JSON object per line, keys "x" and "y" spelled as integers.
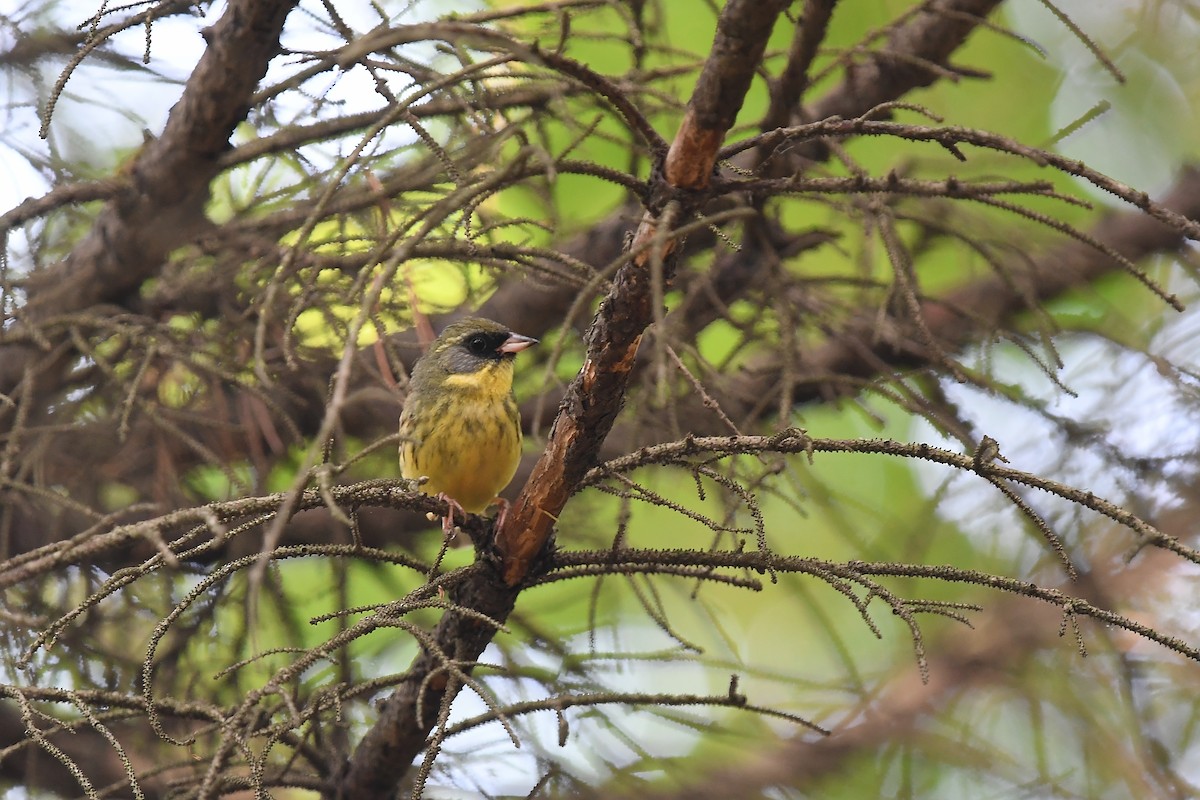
{"x": 975, "y": 311}
{"x": 161, "y": 204}
{"x": 585, "y": 417}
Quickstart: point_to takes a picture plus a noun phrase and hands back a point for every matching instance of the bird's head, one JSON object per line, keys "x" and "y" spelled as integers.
{"x": 473, "y": 353}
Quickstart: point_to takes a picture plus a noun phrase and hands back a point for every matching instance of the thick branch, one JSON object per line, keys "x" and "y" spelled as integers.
{"x": 597, "y": 393}
{"x": 917, "y": 54}
{"x": 742, "y": 33}
{"x": 584, "y": 420}
{"x": 161, "y": 205}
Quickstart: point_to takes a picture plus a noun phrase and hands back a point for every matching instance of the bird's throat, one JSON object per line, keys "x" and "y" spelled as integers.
{"x": 494, "y": 380}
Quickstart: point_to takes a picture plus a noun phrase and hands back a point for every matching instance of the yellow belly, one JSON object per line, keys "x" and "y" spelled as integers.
{"x": 469, "y": 453}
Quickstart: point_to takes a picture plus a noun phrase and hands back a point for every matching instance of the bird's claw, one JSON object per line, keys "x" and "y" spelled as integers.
{"x": 448, "y": 520}
{"x": 503, "y": 515}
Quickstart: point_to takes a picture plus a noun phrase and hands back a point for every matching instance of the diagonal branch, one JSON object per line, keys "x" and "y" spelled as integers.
{"x": 161, "y": 203}
{"x": 789, "y": 87}
{"x": 917, "y": 54}
{"x": 585, "y": 417}
{"x": 597, "y": 393}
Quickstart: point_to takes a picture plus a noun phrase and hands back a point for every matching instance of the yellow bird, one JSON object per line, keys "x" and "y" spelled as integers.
{"x": 460, "y": 426}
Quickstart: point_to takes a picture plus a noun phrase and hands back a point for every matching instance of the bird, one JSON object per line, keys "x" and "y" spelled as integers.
{"x": 460, "y": 427}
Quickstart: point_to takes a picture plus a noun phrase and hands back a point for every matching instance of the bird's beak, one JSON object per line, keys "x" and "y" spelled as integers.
{"x": 515, "y": 343}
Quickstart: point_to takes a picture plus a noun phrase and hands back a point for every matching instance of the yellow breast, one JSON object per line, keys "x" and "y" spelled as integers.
{"x": 467, "y": 440}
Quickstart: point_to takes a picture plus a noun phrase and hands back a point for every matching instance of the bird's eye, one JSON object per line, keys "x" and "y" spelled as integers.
{"x": 477, "y": 344}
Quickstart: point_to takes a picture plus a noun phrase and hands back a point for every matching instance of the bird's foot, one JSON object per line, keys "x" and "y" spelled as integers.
{"x": 448, "y": 520}
{"x": 503, "y": 515}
